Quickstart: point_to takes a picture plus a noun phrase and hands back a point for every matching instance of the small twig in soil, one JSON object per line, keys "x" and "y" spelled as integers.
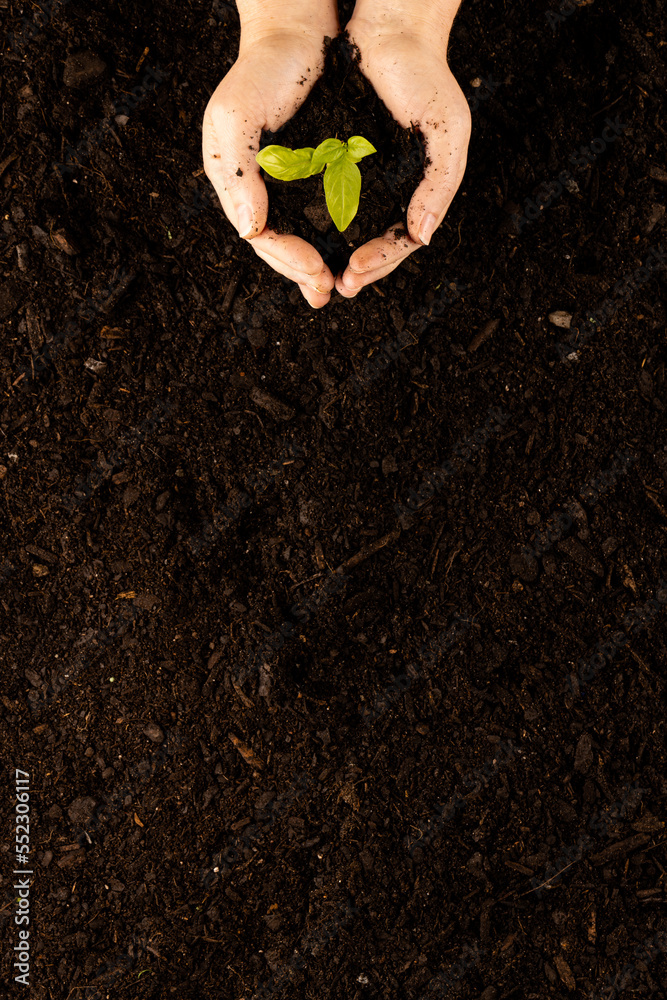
{"x": 369, "y": 550}
{"x": 309, "y": 580}
{"x": 459, "y": 546}
{"x": 244, "y": 698}
{"x": 655, "y": 502}
{"x": 548, "y": 880}
{"x": 253, "y": 292}
{"x": 248, "y": 755}
{"x": 638, "y": 660}
{"x": 435, "y": 552}
{"x": 252, "y": 413}
{"x": 141, "y": 59}
{"x": 458, "y": 244}
{"x": 230, "y": 293}
{"x": 5, "y": 163}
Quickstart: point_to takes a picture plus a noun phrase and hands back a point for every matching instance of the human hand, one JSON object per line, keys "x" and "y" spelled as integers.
{"x": 280, "y": 59}
{"x": 404, "y": 58}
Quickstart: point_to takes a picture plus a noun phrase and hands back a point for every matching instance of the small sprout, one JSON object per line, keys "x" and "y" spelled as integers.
{"x": 342, "y": 177}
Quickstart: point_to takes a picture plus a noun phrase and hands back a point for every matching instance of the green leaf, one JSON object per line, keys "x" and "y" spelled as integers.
{"x": 358, "y": 147}
{"x": 286, "y": 164}
{"x": 342, "y": 187}
{"x": 328, "y": 152}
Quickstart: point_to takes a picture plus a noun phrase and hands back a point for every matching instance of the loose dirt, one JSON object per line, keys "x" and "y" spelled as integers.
{"x": 441, "y": 770}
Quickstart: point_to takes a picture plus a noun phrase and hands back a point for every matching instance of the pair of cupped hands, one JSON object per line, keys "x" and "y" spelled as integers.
{"x": 280, "y": 59}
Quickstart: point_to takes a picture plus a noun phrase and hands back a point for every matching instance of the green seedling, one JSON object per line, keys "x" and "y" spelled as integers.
{"x": 342, "y": 177}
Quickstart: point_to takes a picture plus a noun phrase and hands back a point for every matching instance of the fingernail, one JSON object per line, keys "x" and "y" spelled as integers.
{"x": 427, "y": 228}
{"x": 244, "y": 215}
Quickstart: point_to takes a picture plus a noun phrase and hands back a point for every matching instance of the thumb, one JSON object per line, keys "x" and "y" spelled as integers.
{"x": 230, "y": 143}
{"x": 446, "y": 156}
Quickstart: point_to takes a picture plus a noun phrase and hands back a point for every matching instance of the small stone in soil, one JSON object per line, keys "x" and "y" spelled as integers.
{"x": 154, "y": 733}
{"x": 81, "y": 810}
{"x": 82, "y": 68}
{"x": 560, "y": 318}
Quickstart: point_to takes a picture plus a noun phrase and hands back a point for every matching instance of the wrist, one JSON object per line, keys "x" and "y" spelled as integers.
{"x": 429, "y": 19}
{"x": 267, "y": 19}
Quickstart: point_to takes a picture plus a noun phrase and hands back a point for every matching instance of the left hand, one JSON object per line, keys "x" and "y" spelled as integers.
{"x": 409, "y": 72}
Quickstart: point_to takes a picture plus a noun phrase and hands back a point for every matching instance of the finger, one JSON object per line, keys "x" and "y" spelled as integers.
{"x": 447, "y": 153}
{"x": 387, "y": 250}
{"x": 343, "y": 290}
{"x": 314, "y": 299}
{"x": 292, "y": 251}
{"x": 350, "y": 283}
{"x": 230, "y": 142}
{"x": 359, "y": 282}
{"x": 319, "y": 283}
{"x": 375, "y": 260}
{"x": 294, "y": 261}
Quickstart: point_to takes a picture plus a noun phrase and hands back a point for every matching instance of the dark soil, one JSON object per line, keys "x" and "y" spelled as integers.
{"x": 343, "y": 104}
{"x": 440, "y": 771}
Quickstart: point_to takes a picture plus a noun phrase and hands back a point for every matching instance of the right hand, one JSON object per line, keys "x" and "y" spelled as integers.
{"x": 275, "y": 72}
